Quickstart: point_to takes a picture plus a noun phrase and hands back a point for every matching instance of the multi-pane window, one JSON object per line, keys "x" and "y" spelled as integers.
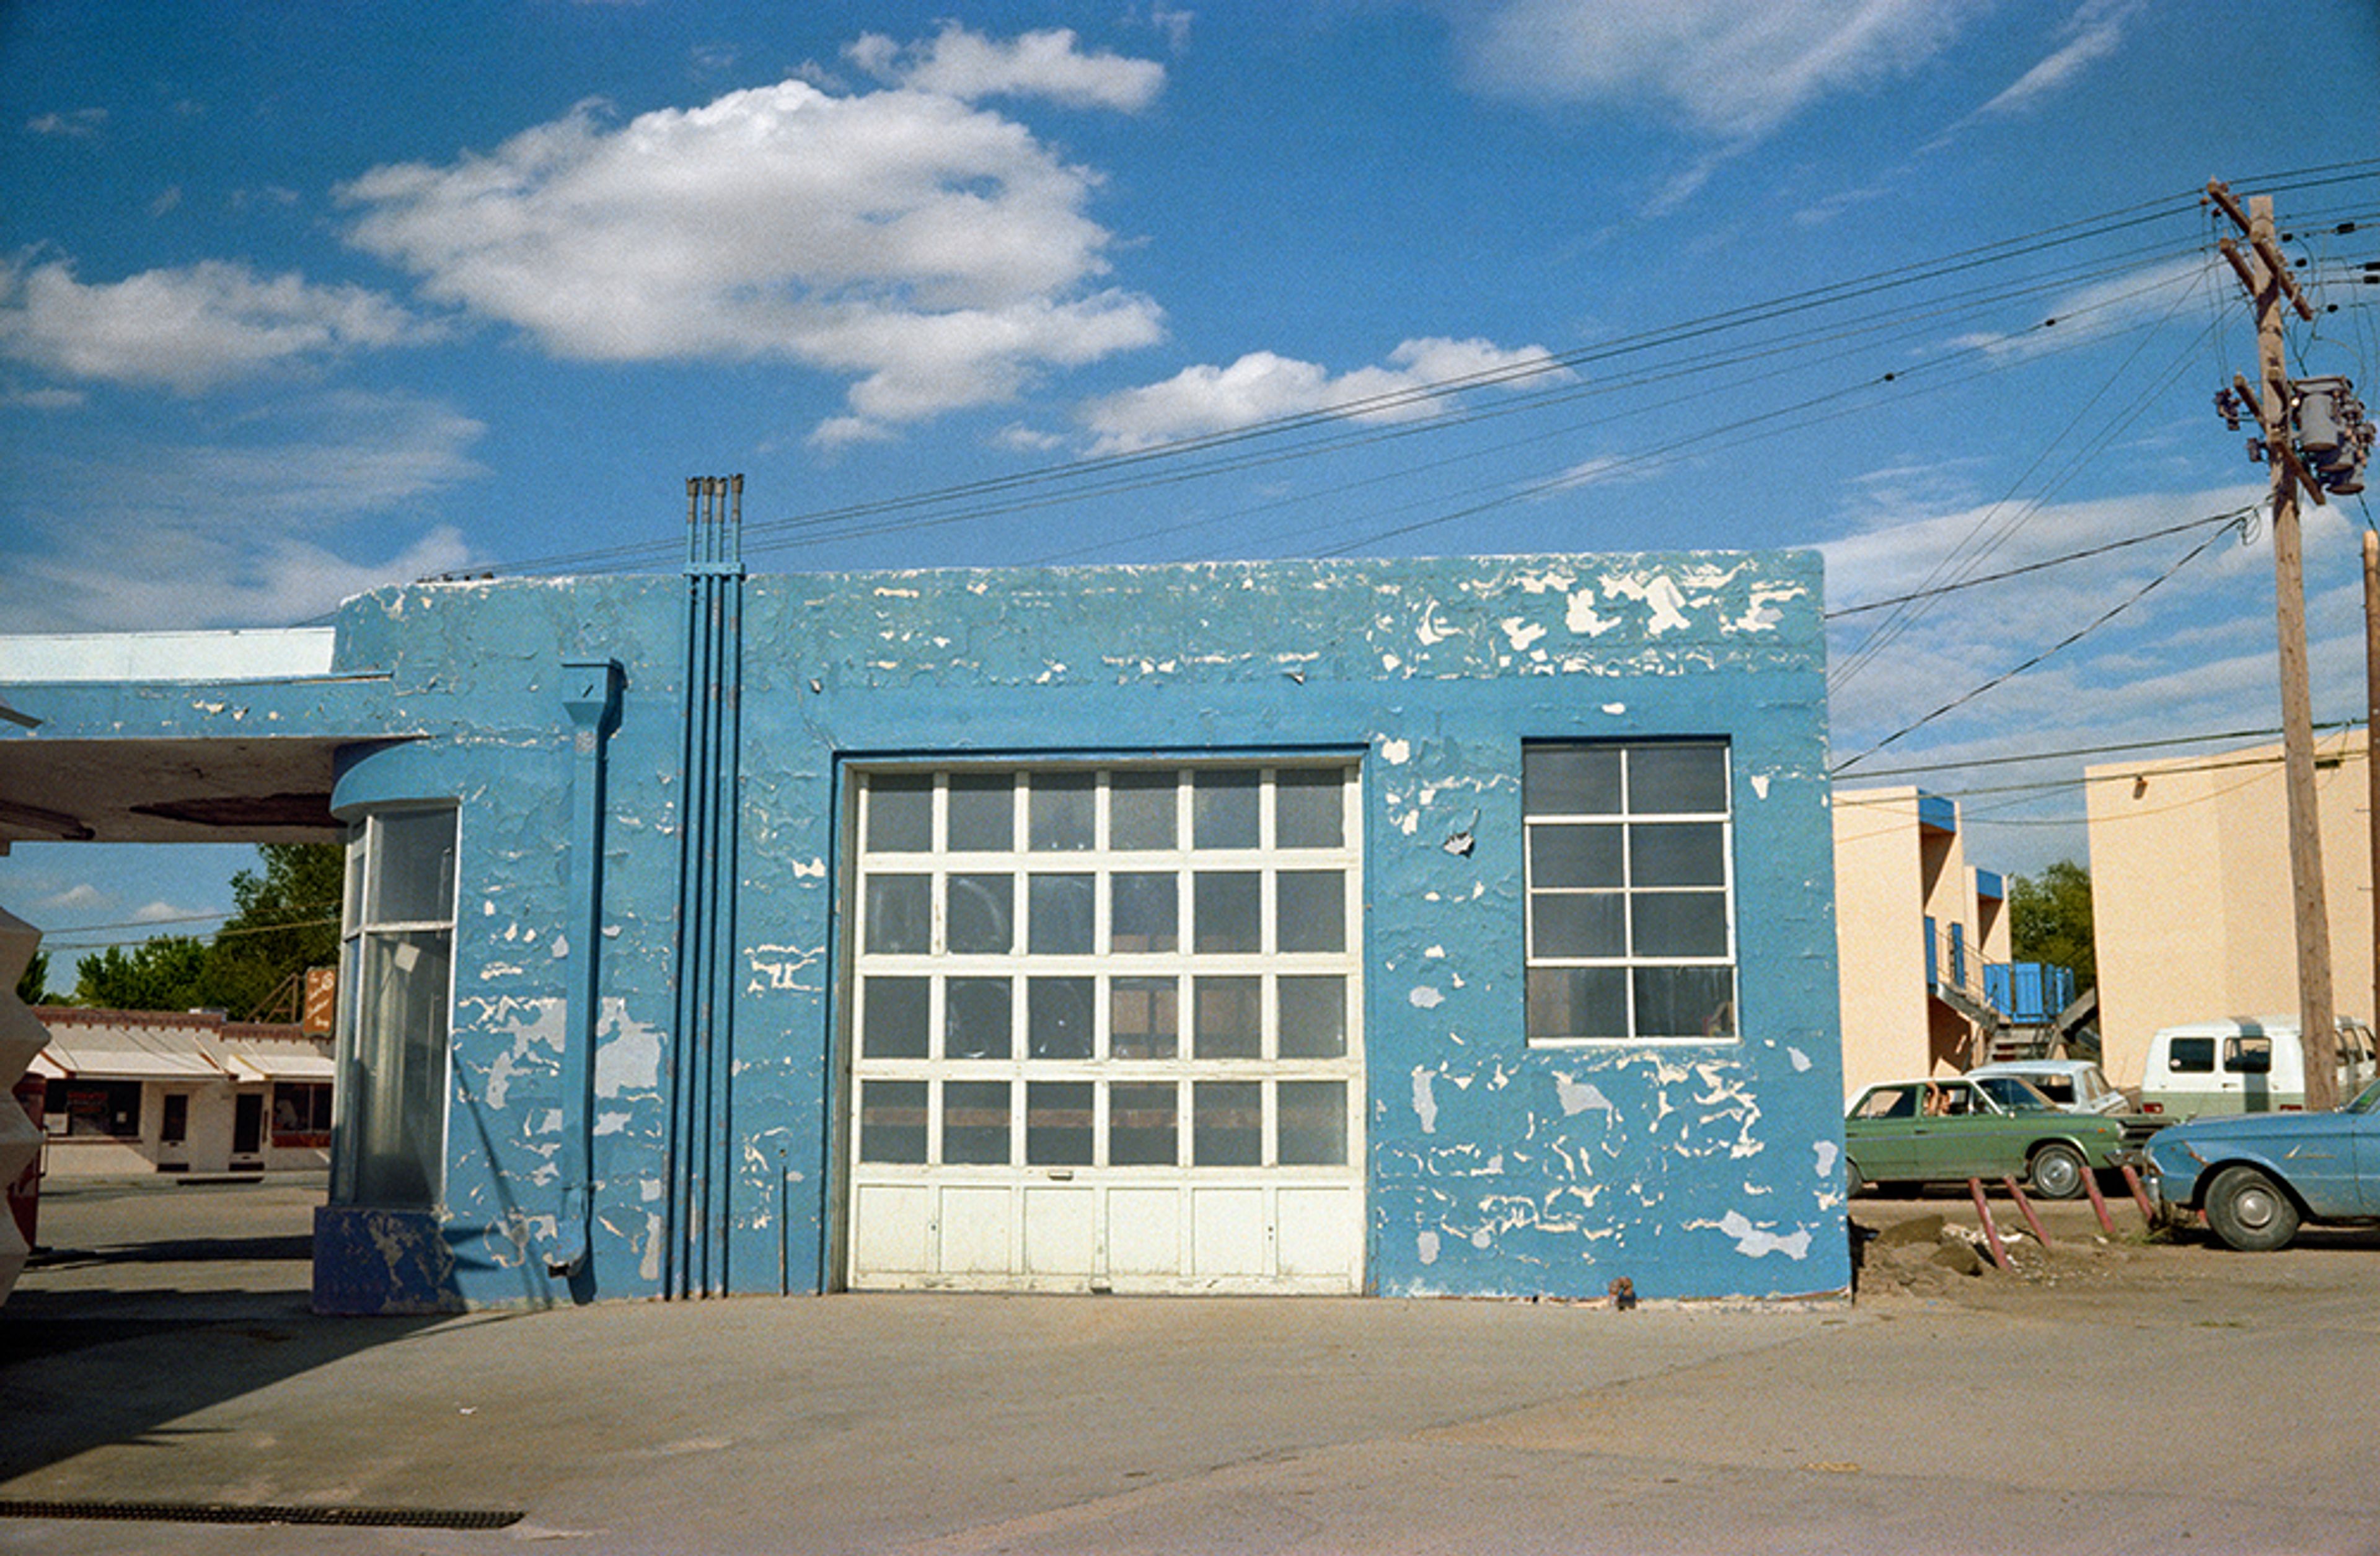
{"x": 1113, "y": 967}
{"x": 301, "y": 1113}
{"x": 1631, "y": 897}
{"x": 395, "y": 987}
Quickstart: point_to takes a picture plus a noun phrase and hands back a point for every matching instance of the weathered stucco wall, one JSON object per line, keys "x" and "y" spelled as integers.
{"x": 1698, "y": 1170}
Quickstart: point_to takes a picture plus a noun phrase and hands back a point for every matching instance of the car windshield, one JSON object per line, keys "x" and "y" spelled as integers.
{"x": 2367, "y": 1101}
{"x": 2017, "y": 1096}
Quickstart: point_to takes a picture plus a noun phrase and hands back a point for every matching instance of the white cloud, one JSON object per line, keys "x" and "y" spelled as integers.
{"x": 937, "y": 252}
{"x": 81, "y": 125}
{"x": 2189, "y": 655}
{"x": 2102, "y": 308}
{"x": 188, "y": 329}
{"x": 80, "y": 897}
{"x": 2098, "y": 32}
{"x": 235, "y": 533}
{"x": 967, "y": 65}
{"x": 1261, "y": 386}
{"x": 1728, "y": 69}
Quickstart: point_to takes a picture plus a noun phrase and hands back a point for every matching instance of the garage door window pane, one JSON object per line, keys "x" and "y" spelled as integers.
{"x": 1313, "y": 1123}
{"x": 1140, "y": 810}
{"x": 900, "y": 914}
{"x": 1312, "y": 908}
{"x": 1065, "y": 813}
{"x": 1308, "y": 809}
{"x": 1058, "y": 1123}
{"x": 975, "y": 1122}
{"x": 975, "y": 1015}
{"x": 982, "y": 919}
{"x": 1230, "y": 1022}
{"x": 1061, "y": 922}
{"x": 1145, "y": 912}
{"x": 900, "y": 814}
{"x": 1223, "y": 809}
{"x": 1144, "y": 1019}
{"x": 1313, "y": 1018}
{"x": 893, "y": 1025}
{"x": 892, "y": 1120}
{"x": 983, "y": 813}
{"x": 1226, "y": 911}
{"x": 1144, "y": 1128}
{"x": 1227, "y": 1124}
{"x": 1057, "y": 1018}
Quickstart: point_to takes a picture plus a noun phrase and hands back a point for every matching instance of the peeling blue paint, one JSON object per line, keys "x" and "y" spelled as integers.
{"x": 1495, "y": 1167}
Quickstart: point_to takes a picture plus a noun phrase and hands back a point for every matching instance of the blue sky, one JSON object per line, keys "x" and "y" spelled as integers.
{"x": 297, "y": 300}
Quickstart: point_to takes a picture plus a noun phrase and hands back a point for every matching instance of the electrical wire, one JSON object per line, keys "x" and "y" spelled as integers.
{"x": 2066, "y": 642}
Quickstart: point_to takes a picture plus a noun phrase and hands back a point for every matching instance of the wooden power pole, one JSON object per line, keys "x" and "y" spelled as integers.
{"x": 2265, "y": 274}
{"x": 2371, "y": 747}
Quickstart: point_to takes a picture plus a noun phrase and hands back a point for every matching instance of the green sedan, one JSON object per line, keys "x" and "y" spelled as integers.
{"x": 1952, "y": 1129}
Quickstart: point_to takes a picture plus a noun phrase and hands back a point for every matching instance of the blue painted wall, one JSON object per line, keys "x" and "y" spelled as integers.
{"x": 1702, "y": 1170}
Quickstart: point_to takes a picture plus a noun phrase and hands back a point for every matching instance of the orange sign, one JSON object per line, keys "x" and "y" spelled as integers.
{"x": 321, "y": 1013}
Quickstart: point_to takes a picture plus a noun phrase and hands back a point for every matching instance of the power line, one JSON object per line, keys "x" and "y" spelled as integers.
{"x": 2234, "y": 516}
{"x": 2068, "y": 641}
{"x": 1027, "y": 489}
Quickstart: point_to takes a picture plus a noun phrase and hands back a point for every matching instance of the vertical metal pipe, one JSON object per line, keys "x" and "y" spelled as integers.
{"x": 702, "y": 1116}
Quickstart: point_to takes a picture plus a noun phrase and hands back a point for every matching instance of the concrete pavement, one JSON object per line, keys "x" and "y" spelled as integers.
{"x": 977, "y": 1424}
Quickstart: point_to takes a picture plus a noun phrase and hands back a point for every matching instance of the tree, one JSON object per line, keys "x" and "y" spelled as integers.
{"x": 2049, "y": 921}
{"x": 167, "y": 972}
{"x": 285, "y": 920}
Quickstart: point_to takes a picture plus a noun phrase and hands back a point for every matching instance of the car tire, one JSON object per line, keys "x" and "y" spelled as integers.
{"x": 2248, "y": 1211}
{"x": 2057, "y": 1170}
{"x": 1853, "y": 1179}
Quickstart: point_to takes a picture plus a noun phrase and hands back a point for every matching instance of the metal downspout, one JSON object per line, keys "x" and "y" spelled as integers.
{"x": 591, "y": 693}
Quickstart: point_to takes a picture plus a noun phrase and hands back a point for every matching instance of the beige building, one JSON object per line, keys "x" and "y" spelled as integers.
{"x": 132, "y": 1092}
{"x": 1917, "y": 930}
{"x": 2191, "y": 894}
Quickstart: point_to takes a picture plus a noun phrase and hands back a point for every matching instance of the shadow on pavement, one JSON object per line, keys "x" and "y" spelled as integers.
{"x": 143, "y": 1308}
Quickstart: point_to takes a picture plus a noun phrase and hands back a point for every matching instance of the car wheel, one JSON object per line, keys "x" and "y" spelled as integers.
{"x": 2249, "y": 1212}
{"x": 2058, "y": 1170}
{"x": 1853, "y": 1179}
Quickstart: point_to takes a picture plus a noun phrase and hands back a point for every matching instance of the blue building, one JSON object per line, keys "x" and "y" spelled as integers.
{"x": 1455, "y": 927}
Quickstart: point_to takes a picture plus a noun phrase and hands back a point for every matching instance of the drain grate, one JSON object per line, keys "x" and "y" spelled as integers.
{"x": 267, "y": 1513}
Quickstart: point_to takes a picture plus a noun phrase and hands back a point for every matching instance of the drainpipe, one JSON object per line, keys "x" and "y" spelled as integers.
{"x": 591, "y": 693}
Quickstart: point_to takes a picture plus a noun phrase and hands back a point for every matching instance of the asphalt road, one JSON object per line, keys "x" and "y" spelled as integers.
{"x": 2113, "y": 1394}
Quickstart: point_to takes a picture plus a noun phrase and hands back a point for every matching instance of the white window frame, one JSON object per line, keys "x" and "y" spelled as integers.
{"x": 361, "y": 1040}
{"x": 1102, "y": 964}
{"x": 1634, "y": 810}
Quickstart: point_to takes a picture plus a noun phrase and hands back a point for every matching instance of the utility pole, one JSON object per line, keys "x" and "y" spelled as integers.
{"x": 2372, "y": 723}
{"x": 2265, "y": 274}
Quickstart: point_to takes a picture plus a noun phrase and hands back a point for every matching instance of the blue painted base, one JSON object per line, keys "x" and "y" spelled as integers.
{"x": 370, "y": 1262}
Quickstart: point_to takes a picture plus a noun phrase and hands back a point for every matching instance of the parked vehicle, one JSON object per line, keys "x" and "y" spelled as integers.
{"x": 2079, "y": 1087}
{"x": 2245, "y": 1065}
{"x": 2075, "y": 1084}
{"x": 1959, "y": 1127}
{"x": 2257, "y": 1177}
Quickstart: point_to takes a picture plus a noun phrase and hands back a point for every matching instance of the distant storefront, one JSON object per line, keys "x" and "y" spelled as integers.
{"x": 140, "y": 1091}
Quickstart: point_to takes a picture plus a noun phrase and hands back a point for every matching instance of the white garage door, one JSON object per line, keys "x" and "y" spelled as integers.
{"x": 1106, "y": 1030}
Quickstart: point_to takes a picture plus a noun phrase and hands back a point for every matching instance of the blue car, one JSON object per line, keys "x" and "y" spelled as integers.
{"x": 2258, "y": 1176}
